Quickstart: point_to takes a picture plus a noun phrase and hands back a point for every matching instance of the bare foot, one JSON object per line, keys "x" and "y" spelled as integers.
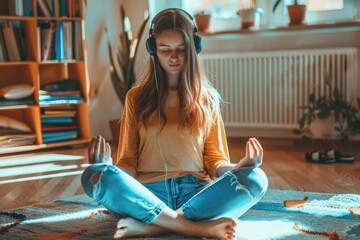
{"x": 223, "y": 228}
{"x": 129, "y": 227}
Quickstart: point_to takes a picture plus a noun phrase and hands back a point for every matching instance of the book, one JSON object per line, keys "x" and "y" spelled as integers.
{"x": 59, "y": 42}
{"x": 61, "y": 120}
{"x": 57, "y": 116}
{"x": 47, "y": 35}
{"x": 70, "y": 8}
{"x": 68, "y": 43}
{"x": 27, "y": 101}
{"x": 58, "y": 136}
{"x": 58, "y": 128}
{"x": 10, "y": 42}
{"x": 27, "y": 8}
{"x": 44, "y": 8}
{"x": 2, "y": 48}
{"x": 20, "y": 34}
{"x": 57, "y": 8}
{"x": 15, "y": 47}
{"x": 63, "y": 8}
{"x": 16, "y": 7}
{"x": 64, "y": 93}
{"x": 60, "y": 112}
{"x": 77, "y": 39}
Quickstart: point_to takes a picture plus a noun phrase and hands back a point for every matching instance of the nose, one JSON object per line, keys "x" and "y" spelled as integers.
{"x": 174, "y": 55}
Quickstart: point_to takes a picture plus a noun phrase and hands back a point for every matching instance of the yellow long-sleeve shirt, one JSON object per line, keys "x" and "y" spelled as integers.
{"x": 184, "y": 152}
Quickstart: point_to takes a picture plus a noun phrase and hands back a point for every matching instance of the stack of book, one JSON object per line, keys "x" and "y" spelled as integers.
{"x": 64, "y": 91}
{"x": 12, "y": 41}
{"x": 58, "y": 124}
{"x": 66, "y": 97}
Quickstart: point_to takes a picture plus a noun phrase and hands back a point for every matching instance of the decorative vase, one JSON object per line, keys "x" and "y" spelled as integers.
{"x": 250, "y": 17}
{"x": 296, "y": 14}
{"x": 323, "y": 128}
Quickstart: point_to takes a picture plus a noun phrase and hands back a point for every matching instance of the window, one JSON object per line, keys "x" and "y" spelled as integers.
{"x": 325, "y": 5}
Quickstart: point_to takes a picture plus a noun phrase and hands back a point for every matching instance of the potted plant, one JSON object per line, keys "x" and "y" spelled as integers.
{"x": 332, "y": 105}
{"x": 122, "y": 70}
{"x": 296, "y": 12}
{"x": 249, "y": 14}
{"x": 202, "y": 19}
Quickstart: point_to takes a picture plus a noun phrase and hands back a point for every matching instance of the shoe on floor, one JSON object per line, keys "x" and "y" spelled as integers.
{"x": 318, "y": 157}
{"x": 338, "y": 156}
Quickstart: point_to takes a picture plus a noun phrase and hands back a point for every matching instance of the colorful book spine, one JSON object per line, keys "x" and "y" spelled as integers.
{"x": 59, "y": 42}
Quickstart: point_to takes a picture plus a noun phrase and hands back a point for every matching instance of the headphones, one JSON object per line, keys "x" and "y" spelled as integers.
{"x": 150, "y": 42}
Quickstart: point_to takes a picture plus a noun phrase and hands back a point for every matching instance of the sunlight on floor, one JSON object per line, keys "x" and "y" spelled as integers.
{"x": 266, "y": 229}
{"x": 63, "y": 217}
{"x": 64, "y": 174}
{"x": 37, "y": 158}
{"x": 40, "y": 166}
{"x": 33, "y": 169}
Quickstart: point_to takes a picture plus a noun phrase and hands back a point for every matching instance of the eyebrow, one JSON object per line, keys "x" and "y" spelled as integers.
{"x": 166, "y": 45}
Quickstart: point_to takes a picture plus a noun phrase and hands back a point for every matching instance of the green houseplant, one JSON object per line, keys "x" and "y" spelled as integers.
{"x": 122, "y": 67}
{"x": 332, "y": 104}
{"x": 296, "y": 12}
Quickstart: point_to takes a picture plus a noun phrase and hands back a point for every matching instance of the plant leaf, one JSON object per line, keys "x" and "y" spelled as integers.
{"x": 312, "y": 98}
{"x": 323, "y": 114}
{"x": 276, "y": 4}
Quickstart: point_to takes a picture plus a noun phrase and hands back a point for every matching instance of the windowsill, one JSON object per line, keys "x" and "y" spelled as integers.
{"x": 346, "y": 25}
{"x": 338, "y": 34}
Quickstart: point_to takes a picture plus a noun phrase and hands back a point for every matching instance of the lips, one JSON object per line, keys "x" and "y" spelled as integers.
{"x": 174, "y": 65}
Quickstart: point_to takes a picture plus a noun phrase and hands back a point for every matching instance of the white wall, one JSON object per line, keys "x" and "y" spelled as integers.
{"x": 104, "y": 104}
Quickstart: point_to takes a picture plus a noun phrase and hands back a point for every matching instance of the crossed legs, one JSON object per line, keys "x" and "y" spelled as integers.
{"x": 149, "y": 216}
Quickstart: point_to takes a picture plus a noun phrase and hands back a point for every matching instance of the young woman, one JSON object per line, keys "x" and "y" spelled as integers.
{"x": 173, "y": 172}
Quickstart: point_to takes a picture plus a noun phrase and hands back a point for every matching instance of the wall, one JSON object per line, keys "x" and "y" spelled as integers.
{"x": 104, "y": 104}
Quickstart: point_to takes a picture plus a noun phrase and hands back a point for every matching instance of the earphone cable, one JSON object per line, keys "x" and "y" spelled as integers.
{"x": 158, "y": 135}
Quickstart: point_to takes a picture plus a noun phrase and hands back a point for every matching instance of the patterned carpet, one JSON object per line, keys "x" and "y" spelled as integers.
{"x": 307, "y": 215}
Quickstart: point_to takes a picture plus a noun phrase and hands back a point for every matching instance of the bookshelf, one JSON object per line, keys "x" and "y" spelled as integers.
{"x": 42, "y": 45}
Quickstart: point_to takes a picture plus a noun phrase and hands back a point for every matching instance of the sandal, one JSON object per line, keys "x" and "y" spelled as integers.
{"x": 318, "y": 157}
{"x": 338, "y": 156}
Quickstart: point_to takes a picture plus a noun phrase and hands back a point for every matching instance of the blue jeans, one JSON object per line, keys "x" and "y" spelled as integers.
{"x": 230, "y": 195}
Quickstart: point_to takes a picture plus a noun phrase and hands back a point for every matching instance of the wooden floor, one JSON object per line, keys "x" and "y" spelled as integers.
{"x": 29, "y": 178}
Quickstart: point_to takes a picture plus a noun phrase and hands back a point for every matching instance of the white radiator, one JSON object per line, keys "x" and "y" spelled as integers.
{"x": 264, "y": 90}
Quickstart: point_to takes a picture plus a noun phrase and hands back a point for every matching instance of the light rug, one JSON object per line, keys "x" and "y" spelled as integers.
{"x": 308, "y": 215}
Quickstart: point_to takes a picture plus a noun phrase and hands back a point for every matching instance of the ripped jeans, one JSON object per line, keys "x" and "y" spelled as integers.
{"x": 230, "y": 195}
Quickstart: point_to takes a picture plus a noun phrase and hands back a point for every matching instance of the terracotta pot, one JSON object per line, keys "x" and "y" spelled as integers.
{"x": 250, "y": 17}
{"x": 296, "y": 14}
{"x": 202, "y": 22}
{"x": 115, "y": 130}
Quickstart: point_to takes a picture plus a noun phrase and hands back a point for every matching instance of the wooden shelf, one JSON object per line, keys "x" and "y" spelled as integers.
{"x": 35, "y": 71}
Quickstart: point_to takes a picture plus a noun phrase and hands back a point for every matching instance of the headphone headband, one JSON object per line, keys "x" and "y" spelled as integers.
{"x": 174, "y": 9}
{"x": 150, "y": 42}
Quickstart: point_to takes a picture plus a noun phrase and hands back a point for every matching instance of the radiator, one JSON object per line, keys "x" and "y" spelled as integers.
{"x": 265, "y": 89}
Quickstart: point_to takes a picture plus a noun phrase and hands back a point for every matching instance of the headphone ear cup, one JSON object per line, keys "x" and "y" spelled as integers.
{"x": 150, "y": 46}
{"x": 198, "y": 43}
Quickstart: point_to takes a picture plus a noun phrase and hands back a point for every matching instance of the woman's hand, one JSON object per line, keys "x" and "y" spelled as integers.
{"x": 99, "y": 151}
{"x": 254, "y": 154}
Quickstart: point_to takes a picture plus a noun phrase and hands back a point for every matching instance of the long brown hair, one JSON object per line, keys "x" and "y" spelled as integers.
{"x": 199, "y": 101}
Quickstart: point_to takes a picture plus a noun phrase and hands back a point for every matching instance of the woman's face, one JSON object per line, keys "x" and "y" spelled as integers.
{"x": 170, "y": 49}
